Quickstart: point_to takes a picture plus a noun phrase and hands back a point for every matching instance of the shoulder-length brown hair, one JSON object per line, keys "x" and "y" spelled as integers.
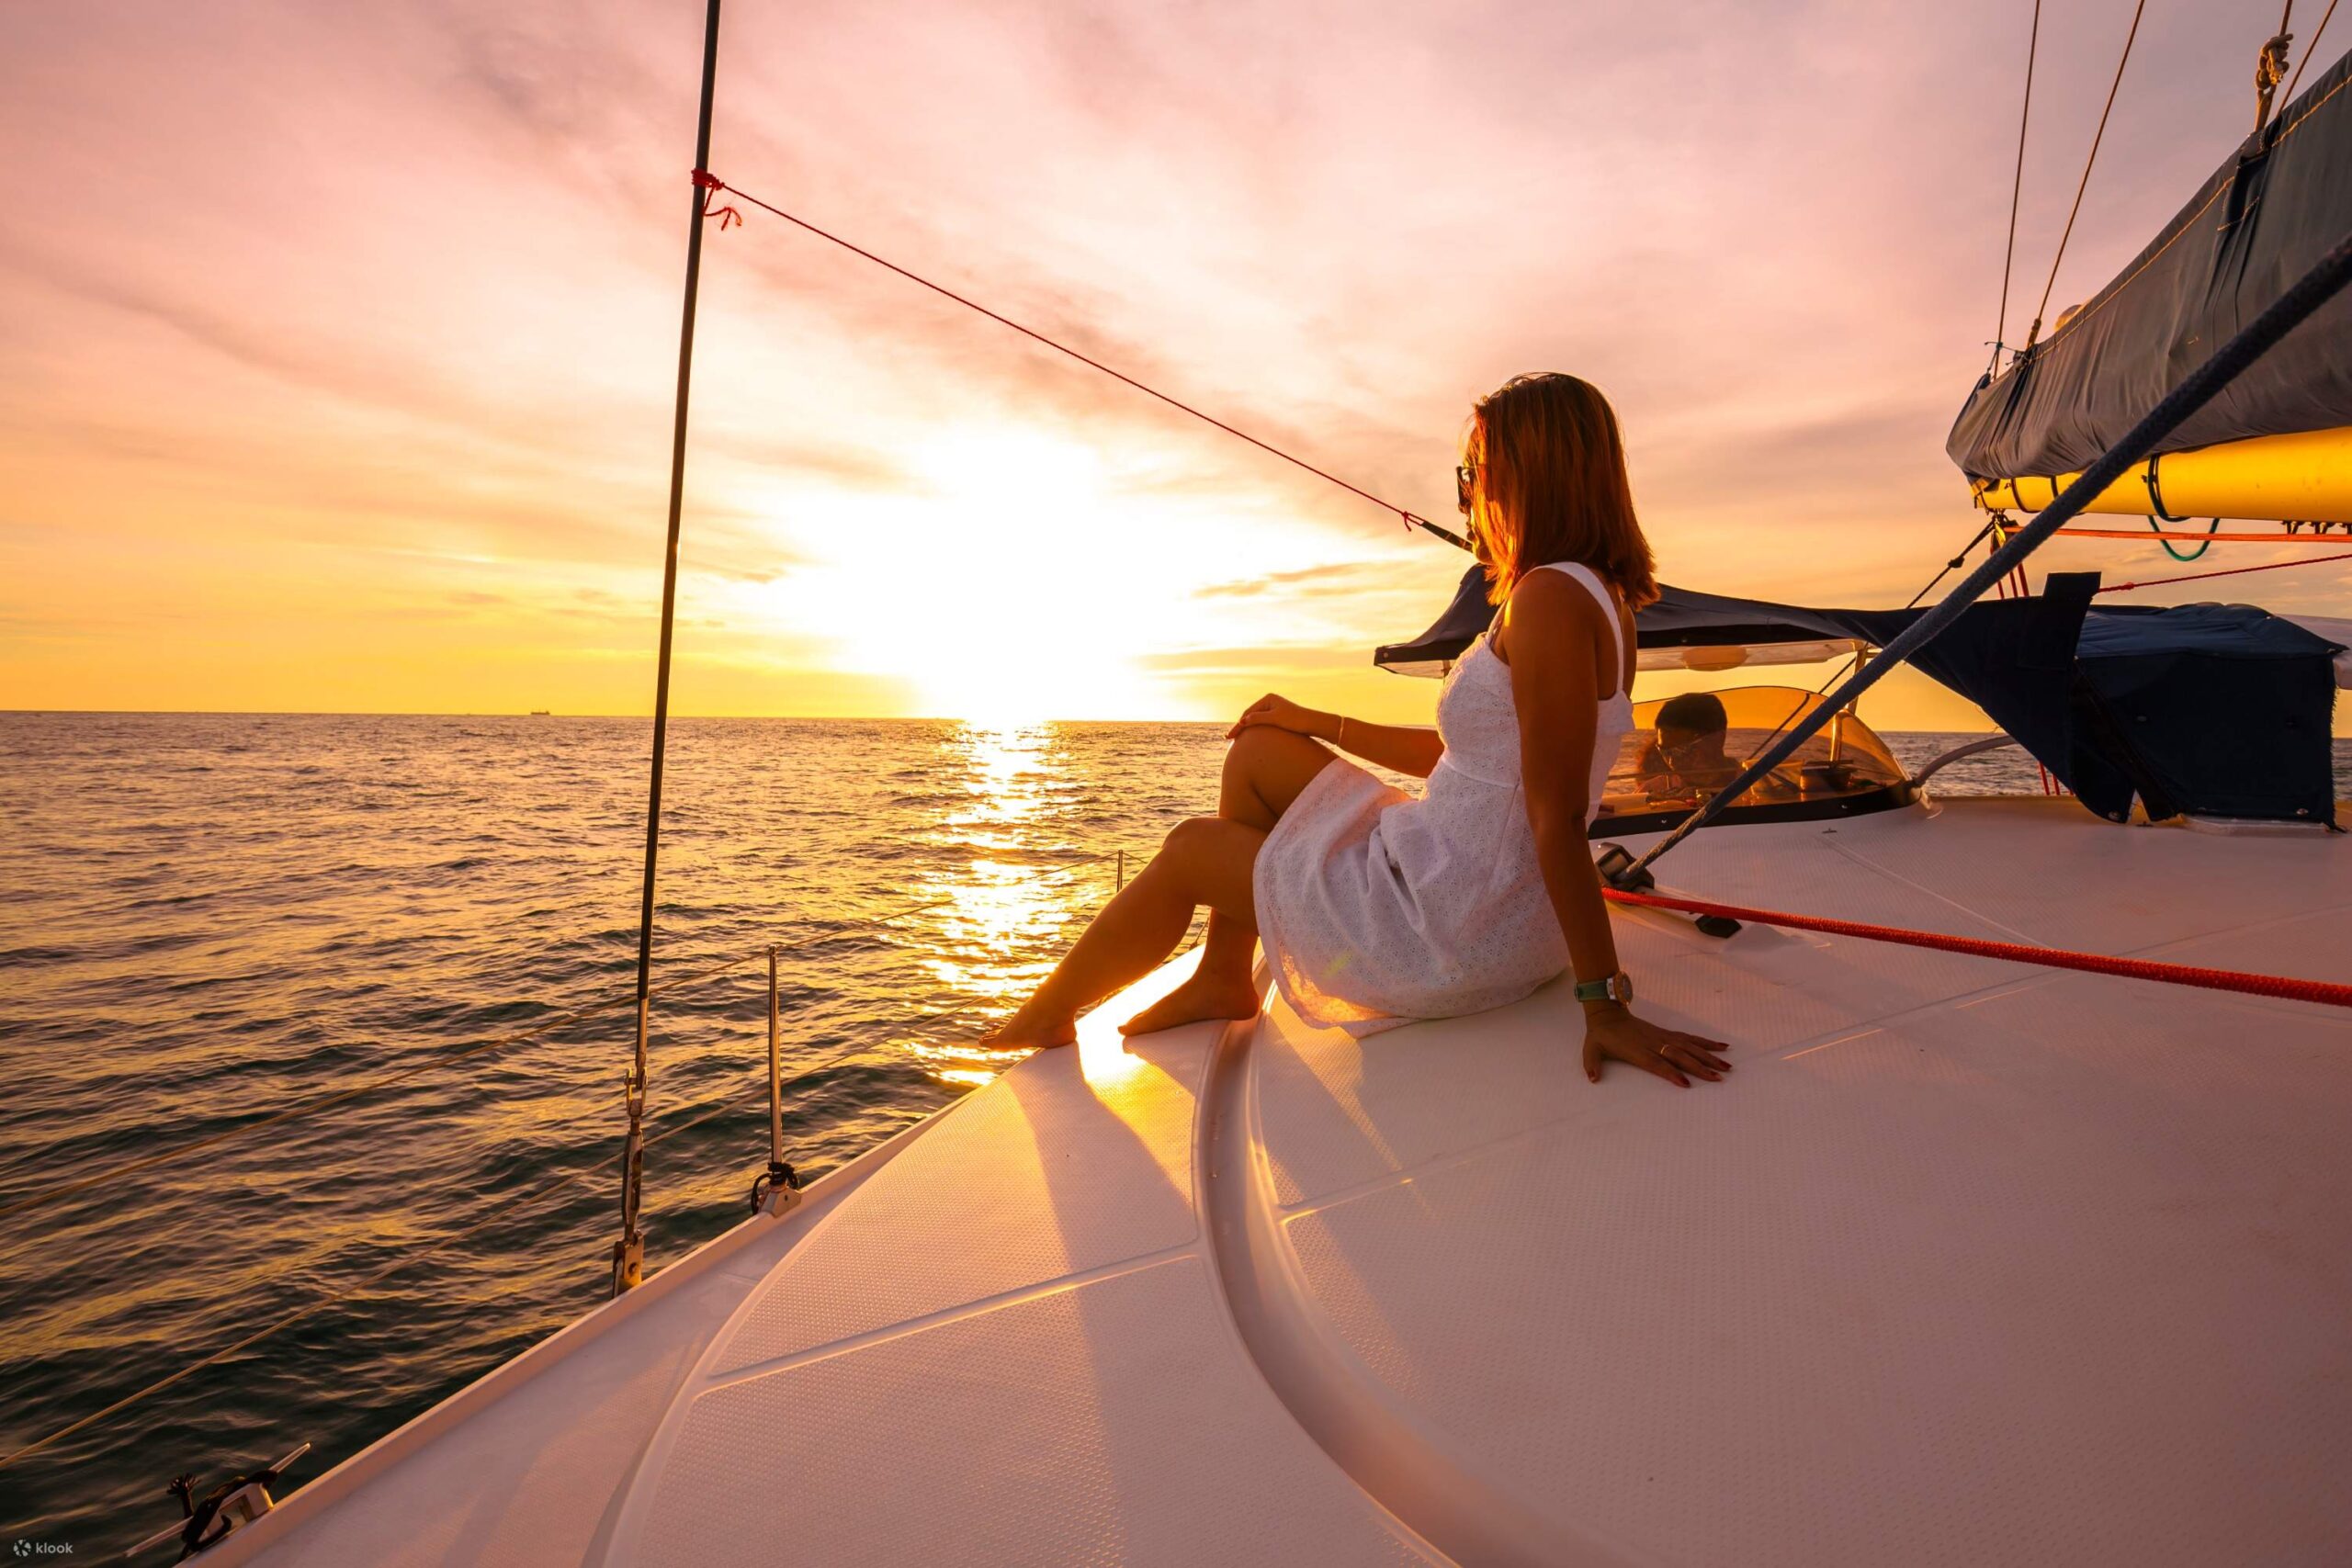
{"x": 1551, "y": 486}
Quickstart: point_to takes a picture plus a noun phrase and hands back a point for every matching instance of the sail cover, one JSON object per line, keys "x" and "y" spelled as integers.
{"x": 2279, "y": 203}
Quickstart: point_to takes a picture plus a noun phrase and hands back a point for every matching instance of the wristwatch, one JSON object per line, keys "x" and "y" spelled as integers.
{"x": 1617, "y": 987}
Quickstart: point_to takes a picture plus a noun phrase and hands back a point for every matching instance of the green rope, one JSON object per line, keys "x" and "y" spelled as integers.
{"x": 2213, "y": 525}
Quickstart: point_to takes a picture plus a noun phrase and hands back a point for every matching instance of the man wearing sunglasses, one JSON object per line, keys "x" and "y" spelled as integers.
{"x": 1686, "y": 760}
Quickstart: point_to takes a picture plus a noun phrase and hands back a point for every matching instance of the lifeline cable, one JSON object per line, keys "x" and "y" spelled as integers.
{"x": 345, "y": 1290}
{"x": 708, "y": 1111}
{"x": 90, "y": 1179}
{"x": 704, "y": 179}
{"x": 2306, "y": 294}
{"x": 2327, "y": 993}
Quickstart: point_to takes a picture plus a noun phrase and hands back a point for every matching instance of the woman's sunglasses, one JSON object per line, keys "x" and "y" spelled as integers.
{"x": 1465, "y": 481}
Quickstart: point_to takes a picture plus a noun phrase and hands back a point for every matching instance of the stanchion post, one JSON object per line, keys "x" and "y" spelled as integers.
{"x": 775, "y": 1073}
{"x": 778, "y": 1188}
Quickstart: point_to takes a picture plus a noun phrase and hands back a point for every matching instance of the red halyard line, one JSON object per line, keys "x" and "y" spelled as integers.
{"x": 2322, "y": 991}
{"x": 2230, "y": 571}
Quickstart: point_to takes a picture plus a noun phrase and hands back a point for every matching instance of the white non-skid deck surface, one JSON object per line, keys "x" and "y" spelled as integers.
{"x": 1968, "y": 1262}
{"x": 1011, "y": 1349}
{"x": 1965, "y": 1263}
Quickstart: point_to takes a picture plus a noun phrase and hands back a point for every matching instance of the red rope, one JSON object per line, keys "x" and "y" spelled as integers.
{"x": 705, "y": 180}
{"x": 2232, "y": 571}
{"x": 2323, "y": 991}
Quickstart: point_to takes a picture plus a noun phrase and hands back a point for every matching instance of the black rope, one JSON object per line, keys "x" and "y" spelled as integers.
{"x": 705, "y": 179}
{"x": 1854, "y": 662}
{"x": 1956, "y": 562}
{"x": 2084, "y": 183}
{"x": 2016, "y": 185}
{"x": 2308, "y": 293}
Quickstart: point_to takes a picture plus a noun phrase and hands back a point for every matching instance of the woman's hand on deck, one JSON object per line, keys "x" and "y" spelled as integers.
{"x": 1280, "y": 713}
{"x": 1614, "y": 1033}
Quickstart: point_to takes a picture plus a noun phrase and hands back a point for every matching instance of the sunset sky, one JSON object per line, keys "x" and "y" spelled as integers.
{"x": 340, "y": 340}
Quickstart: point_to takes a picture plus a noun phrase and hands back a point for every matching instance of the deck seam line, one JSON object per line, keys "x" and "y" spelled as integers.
{"x": 1857, "y": 858}
{"x": 960, "y": 1311}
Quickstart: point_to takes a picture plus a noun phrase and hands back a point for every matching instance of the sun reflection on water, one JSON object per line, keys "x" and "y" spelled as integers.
{"x": 1022, "y": 884}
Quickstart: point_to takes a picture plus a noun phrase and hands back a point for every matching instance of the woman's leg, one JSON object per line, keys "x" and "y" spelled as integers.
{"x": 1206, "y": 859}
{"x": 1265, "y": 769}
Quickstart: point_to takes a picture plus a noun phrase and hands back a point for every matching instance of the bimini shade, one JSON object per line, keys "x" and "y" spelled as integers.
{"x": 1682, "y": 631}
{"x": 2264, "y": 218}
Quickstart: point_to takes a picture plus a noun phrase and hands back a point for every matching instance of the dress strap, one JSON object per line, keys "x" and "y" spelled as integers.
{"x": 1599, "y": 590}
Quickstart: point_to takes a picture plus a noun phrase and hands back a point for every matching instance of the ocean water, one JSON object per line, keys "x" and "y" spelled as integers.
{"x": 208, "y": 920}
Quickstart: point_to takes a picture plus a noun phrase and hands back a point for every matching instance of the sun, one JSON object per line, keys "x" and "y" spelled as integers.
{"x": 1000, "y": 590}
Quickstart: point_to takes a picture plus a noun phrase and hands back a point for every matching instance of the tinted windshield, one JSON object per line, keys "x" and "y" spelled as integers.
{"x": 1683, "y": 749}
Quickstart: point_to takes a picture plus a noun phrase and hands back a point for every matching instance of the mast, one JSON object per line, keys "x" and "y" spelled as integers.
{"x": 628, "y": 1253}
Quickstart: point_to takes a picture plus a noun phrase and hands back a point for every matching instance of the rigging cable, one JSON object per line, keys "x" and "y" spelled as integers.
{"x": 2309, "y": 49}
{"x": 707, "y": 181}
{"x": 2084, "y": 183}
{"x": 1854, "y": 662}
{"x": 2017, "y": 185}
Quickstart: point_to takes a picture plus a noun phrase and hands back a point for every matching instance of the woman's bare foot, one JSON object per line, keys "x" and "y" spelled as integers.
{"x": 1203, "y": 996}
{"x": 1022, "y": 1032}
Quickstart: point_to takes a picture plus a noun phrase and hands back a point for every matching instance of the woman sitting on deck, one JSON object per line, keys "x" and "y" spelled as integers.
{"x": 1377, "y": 907}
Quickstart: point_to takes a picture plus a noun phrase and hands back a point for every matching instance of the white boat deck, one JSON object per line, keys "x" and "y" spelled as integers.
{"x": 1966, "y": 1262}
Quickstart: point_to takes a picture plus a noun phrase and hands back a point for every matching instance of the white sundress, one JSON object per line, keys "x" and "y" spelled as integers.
{"x": 1377, "y": 907}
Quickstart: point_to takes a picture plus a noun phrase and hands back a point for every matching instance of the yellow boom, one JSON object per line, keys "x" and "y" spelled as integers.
{"x": 2304, "y": 477}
